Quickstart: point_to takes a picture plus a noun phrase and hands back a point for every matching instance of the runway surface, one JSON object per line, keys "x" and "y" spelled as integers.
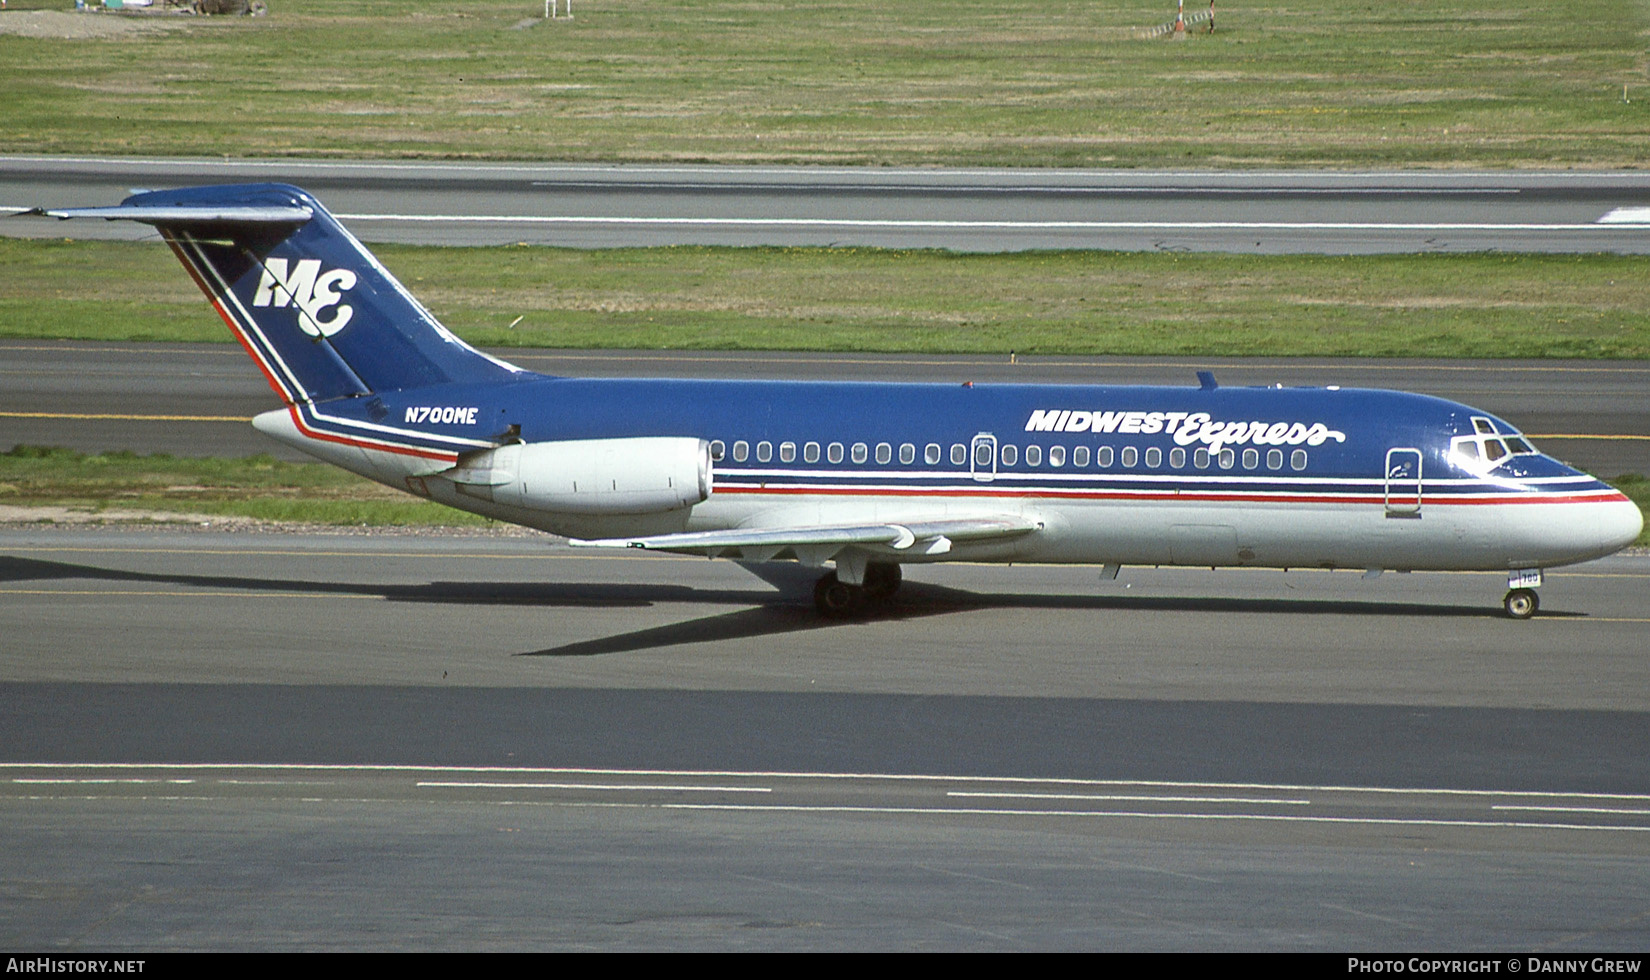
{"x": 194, "y": 399}
{"x": 598, "y": 206}
{"x": 294, "y": 741}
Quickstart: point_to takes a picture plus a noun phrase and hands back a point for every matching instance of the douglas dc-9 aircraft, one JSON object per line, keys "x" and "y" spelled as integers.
{"x": 867, "y": 477}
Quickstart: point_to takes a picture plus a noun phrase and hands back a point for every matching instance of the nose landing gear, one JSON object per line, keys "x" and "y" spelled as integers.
{"x": 1521, "y": 603}
{"x": 1520, "y": 600}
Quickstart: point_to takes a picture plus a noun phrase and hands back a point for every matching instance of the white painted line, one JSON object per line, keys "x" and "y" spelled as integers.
{"x": 1576, "y": 809}
{"x": 1137, "y": 799}
{"x": 1626, "y": 216}
{"x": 1119, "y": 814}
{"x": 784, "y": 774}
{"x": 95, "y": 782}
{"x": 897, "y": 223}
{"x": 599, "y": 786}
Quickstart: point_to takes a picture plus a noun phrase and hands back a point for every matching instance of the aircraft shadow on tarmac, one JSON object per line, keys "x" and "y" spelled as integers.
{"x": 768, "y": 613}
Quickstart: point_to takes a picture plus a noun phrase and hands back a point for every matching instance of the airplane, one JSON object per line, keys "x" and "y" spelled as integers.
{"x": 858, "y": 479}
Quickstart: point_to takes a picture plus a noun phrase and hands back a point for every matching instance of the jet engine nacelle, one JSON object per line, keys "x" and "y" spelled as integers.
{"x": 644, "y": 475}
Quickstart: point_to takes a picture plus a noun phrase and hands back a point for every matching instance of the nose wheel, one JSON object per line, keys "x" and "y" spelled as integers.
{"x": 1521, "y": 603}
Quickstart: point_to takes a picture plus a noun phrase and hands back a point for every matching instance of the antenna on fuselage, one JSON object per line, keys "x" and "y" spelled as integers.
{"x": 1206, "y": 380}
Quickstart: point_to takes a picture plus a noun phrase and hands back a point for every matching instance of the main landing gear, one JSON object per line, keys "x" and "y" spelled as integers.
{"x": 839, "y": 600}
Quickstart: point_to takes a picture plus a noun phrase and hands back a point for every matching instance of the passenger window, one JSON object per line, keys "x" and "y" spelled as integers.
{"x": 983, "y": 454}
{"x": 1103, "y": 457}
{"x": 1131, "y": 455}
{"x": 885, "y": 453}
{"x": 1251, "y": 458}
{"x": 1056, "y": 455}
{"x": 1080, "y": 456}
{"x": 861, "y": 452}
{"x": 1034, "y": 455}
{"x": 908, "y": 453}
{"x": 1200, "y": 459}
{"x": 717, "y": 448}
{"x": 1228, "y": 459}
{"x": 959, "y": 454}
{"x": 1010, "y": 455}
{"x": 1177, "y": 457}
{"x": 1274, "y": 459}
{"x": 764, "y": 452}
{"x": 833, "y": 452}
{"x": 931, "y": 453}
{"x": 787, "y": 452}
{"x": 1154, "y": 457}
{"x": 741, "y": 451}
{"x": 1297, "y": 459}
{"x": 810, "y": 453}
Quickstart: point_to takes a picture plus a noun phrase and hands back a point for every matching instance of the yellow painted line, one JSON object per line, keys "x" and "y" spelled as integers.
{"x": 617, "y": 555}
{"x": 82, "y": 416}
{"x": 1577, "y": 435}
{"x": 803, "y": 357}
{"x": 140, "y": 592}
{"x": 183, "y": 347}
{"x": 633, "y": 554}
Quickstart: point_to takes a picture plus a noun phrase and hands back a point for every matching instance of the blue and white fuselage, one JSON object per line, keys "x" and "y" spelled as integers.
{"x": 866, "y": 477}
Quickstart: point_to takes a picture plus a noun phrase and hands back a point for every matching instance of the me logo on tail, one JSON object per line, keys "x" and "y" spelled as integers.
{"x": 314, "y": 293}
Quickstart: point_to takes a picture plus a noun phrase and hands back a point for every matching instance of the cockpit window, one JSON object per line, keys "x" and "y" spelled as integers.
{"x": 1488, "y": 445}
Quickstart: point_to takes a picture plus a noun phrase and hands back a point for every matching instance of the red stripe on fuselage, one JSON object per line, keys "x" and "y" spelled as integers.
{"x": 388, "y": 447}
{"x": 1284, "y": 498}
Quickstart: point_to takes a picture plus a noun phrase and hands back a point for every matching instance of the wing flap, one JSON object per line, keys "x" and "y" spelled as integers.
{"x": 814, "y": 544}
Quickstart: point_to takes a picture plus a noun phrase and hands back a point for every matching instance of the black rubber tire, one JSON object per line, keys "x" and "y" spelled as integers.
{"x": 882, "y": 580}
{"x": 1521, "y": 603}
{"x": 837, "y": 600}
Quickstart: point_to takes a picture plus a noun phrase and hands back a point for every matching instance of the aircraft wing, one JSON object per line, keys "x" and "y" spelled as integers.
{"x": 815, "y": 544}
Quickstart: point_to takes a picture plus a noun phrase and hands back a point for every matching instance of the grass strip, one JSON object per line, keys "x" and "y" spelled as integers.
{"x": 1065, "y": 83}
{"x": 259, "y": 487}
{"x": 861, "y": 299}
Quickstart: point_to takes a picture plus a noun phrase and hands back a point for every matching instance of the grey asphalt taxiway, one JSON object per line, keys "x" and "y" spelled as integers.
{"x": 599, "y": 206}
{"x": 295, "y": 741}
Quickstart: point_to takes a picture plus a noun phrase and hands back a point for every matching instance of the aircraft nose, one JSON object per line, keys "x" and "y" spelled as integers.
{"x": 1565, "y": 533}
{"x": 1620, "y": 524}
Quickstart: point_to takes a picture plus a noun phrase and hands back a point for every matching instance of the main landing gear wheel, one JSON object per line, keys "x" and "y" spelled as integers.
{"x": 1521, "y": 603}
{"x": 838, "y": 600}
{"x": 881, "y": 580}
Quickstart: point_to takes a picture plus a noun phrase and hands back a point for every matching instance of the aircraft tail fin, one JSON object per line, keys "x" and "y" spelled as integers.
{"x": 316, "y": 310}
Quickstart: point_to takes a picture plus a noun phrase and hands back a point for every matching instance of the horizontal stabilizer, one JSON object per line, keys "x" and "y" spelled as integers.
{"x": 178, "y": 215}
